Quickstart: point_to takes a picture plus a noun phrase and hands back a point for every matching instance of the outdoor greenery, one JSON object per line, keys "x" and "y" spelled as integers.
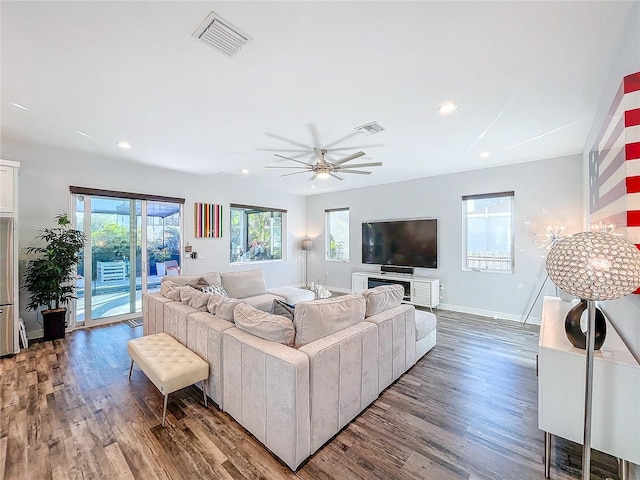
{"x": 255, "y": 234}
{"x": 51, "y": 277}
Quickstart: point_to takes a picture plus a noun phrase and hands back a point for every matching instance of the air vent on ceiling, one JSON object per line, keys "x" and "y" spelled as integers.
{"x": 221, "y": 35}
{"x": 370, "y": 128}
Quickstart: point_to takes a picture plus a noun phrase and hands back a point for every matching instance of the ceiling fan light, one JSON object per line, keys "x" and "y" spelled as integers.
{"x": 323, "y": 175}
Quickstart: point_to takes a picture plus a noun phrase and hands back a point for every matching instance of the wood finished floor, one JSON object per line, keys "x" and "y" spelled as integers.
{"x": 467, "y": 410}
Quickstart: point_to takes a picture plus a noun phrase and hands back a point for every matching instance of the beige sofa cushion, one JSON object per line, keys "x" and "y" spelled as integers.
{"x": 319, "y": 318}
{"x": 382, "y": 298}
{"x": 244, "y": 284}
{"x": 212, "y": 278}
{"x": 222, "y": 307}
{"x": 274, "y": 328}
{"x": 194, "y": 298}
{"x": 170, "y": 290}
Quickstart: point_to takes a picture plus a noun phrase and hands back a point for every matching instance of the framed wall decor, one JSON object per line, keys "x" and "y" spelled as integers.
{"x": 208, "y": 220}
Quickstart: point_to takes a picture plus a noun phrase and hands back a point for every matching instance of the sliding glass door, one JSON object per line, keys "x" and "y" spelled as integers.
{"x": 132, "y": 244}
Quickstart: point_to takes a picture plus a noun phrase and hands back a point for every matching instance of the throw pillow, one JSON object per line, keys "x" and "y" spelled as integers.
{"x": 167, "y": 287}
{"x": 219, "y": 289}
{"x": 274, "y": 328}
{"x": 194, "y": 298}
{"x": 278, "y": 307}
{"x": 224, "y": 306}
{"x": 198, "y": 284}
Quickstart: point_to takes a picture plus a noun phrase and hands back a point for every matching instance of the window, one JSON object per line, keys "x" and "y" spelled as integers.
{"x": 488, "y": 232}
{"x": 256, "y": 233}
{"x": 337, "y": 235}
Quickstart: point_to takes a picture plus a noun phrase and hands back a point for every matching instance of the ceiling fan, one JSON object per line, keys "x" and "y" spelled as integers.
{"x": 324, "y": 168}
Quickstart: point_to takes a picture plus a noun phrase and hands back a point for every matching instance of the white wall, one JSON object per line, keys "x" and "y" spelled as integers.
{"x": 626, "y": 311}
{"x": 546, "y": 192}
{"x": 46, "y": 174}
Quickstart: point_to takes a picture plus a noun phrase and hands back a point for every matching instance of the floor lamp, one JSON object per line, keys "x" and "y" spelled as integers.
{"x": 306, "y": 246}
{"x": 593, "y": 266}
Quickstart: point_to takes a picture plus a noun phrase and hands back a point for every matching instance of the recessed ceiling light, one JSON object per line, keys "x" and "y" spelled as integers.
{"x": 21, "y": 107}
{"x": 124, "y": 145}
{"x": 313, "y": 186}
{"x": 447, "y": 108}
{"x": 245, "y": 171}
{"x": 484, "y": 155}
{"x": 83, "y": 134}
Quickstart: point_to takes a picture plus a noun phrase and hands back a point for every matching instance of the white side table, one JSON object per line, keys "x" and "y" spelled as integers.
{"x": 615, "y": 427}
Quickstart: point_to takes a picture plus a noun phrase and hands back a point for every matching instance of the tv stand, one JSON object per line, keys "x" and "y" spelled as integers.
{"x": 420, "y": 291}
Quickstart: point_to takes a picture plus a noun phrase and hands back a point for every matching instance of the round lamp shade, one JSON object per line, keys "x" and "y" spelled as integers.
{"x": 595, "y": 266}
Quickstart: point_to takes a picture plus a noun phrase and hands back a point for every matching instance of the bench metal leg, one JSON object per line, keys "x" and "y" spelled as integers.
{"x": 204, "y": 392}
{"x": 130, "y": 369}
{"x": 547, "y": 455}
{"x": 164, "y": 411}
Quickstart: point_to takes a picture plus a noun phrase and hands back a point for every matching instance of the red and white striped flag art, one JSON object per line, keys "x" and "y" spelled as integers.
{"x": 614, "y": 164}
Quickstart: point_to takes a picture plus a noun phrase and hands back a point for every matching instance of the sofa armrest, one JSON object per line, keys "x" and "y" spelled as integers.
{"x": 266, "y": 389}
{"x": 153, "y": 313}
{"x": 343, "y": 378}
{"x": 396, "y": 342}
{"x": 204, "y": 337}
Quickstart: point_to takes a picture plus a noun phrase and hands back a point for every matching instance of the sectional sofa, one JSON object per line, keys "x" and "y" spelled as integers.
{"x": 294, "y": 383}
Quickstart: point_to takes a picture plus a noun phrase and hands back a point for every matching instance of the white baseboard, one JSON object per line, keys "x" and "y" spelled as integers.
{"x": 489, "y": 313}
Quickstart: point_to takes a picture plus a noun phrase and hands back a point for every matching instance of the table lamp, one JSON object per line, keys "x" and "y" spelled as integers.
{"x": 593, "y": 266}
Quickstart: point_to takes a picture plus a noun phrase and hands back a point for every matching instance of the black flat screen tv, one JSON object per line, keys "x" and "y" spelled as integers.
{"x": 405, "y": 243}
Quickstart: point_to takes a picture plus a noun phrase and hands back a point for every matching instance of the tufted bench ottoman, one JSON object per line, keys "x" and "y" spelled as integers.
{"x": 168, "y": 364}
{"x": 426, "y": 325}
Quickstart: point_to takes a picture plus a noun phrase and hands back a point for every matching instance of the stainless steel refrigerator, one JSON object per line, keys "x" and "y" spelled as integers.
{"x": 7, "y": 322}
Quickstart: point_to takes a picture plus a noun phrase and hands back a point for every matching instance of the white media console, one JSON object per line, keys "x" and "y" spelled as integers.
{"x": 420, "y": 291}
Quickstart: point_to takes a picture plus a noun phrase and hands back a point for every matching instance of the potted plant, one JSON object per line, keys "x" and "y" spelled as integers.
{"x": 51, "y": 278}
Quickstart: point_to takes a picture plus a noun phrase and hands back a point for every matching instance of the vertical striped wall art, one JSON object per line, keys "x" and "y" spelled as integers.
{"x": 208, "y": 220}
{"x": 614, "y": 164}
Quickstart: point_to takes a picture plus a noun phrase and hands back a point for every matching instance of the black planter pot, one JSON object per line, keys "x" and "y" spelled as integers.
{"x": 54, "y": 323}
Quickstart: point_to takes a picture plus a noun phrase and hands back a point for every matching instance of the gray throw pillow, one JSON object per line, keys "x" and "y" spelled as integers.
{"x": 278, "y": 307}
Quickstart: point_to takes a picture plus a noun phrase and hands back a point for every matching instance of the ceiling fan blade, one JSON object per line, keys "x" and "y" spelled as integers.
{"x": 314, "y": 177}
{"x": 349, "y": 158}
{"x": 278, "y": 166}
{"x": 320, "y": 155}
{"x": 288, "y": 150}
{"x": 294, "y": 160}
{"x": 292, "y": 142}
{"x": 340, "y": 140}
{"x": 361, "y": 172}
{"x": 336, "y": 176}
{"x": 352, "y": 147}
{"x": 372, "y": 164}
{"x": 294, "y": 173}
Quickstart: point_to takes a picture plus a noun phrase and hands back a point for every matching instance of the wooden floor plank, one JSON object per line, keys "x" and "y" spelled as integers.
{"x": 466, "y": 411}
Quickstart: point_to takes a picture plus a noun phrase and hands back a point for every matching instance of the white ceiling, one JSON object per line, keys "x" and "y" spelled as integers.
{"x": 527, "y": 76}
